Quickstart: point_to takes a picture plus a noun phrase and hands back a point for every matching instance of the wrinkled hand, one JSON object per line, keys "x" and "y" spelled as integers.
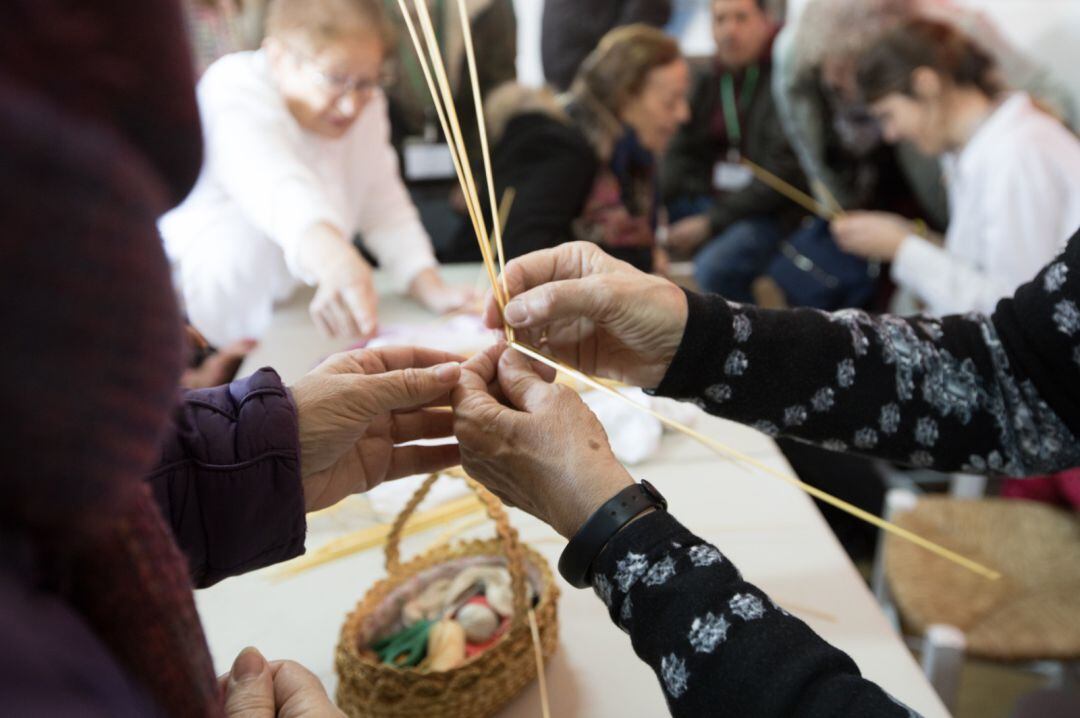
{"x": 345, "y": 303}
{"x": 255, "y": 688}
{"x": 545, "y": 453}
{"x": 872, "y": 235}
{"x": 688, "y": 234}
{"x": 357, "y": 407}
{"x": 594, "y": 312}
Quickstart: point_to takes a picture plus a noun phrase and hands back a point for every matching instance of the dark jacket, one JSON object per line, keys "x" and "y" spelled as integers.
{"x": 99, "y": 134}
{"x": 563, "y": 192}
{"x": 688, "y": 167}
{"x": 551, "y": 167}
{"x": 571, "y": 29}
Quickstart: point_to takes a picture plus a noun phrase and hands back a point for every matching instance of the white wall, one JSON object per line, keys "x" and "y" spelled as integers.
{"x": 1048, "y": 30}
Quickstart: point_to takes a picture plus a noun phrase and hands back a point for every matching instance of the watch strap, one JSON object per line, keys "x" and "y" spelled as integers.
{"x": 575, "y": 563}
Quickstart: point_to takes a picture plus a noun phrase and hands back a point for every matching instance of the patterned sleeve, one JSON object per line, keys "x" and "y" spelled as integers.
{"x": 960, "y": 393}
{"x": 718, "y": 645}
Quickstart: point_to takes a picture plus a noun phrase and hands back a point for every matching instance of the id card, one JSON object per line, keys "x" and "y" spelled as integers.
{"x": 731, "y": 176}
{"x": 425, "y": 161}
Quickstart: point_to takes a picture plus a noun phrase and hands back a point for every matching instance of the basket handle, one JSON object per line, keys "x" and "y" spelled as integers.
{"x": 506, "y": 534}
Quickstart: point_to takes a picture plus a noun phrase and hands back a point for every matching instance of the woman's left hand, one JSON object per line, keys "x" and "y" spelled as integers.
{"x": 543, "y": 450}
{"x": 873, "y": 235}
{"x": 358, "y": 407}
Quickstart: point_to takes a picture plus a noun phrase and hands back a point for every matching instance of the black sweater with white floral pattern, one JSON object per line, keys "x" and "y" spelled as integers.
{"x": 998, "y": 394}
{"x": 720, "y": 646}
{"x": 960, "y": 393}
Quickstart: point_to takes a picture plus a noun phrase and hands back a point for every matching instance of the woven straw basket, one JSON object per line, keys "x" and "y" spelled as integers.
{"x": 483, "y": 684}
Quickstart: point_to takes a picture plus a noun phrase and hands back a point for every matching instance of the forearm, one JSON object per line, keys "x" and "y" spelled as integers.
{"x": 228, "y": 481}
{"x": 927, "y": 392}
{"x": 715, "y": 640}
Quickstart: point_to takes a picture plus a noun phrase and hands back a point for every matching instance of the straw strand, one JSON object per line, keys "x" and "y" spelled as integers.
{"x": 725, "y": 450}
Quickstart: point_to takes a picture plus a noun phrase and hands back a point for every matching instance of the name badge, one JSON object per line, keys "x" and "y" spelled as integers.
{"x": 425, "y": 161}
{"x": 731, "y": 176}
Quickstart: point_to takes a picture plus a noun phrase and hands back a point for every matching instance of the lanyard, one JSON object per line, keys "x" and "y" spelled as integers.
{"x": 731, "y": 109}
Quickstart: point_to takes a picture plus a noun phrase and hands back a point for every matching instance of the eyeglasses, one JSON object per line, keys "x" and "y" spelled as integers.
{"x": 341, "y": 85}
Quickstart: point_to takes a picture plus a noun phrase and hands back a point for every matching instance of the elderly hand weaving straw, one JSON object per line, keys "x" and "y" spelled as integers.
{"x": 996, "y": 394}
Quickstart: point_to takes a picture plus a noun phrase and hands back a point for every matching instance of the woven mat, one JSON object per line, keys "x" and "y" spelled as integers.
{"x": 1032, "y": 612}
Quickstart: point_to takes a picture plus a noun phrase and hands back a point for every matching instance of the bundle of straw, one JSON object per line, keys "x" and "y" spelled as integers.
{"x": 439, "y": 86}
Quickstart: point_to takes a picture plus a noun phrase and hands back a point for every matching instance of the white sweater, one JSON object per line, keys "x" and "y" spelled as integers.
{"x": 1014, "y": 196}
{"x": 264, "y": 173}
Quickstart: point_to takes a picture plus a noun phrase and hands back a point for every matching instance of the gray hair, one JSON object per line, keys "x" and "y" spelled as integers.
{"x": 845, "y": 28}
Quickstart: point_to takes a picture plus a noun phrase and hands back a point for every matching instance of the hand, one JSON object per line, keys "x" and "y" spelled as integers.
{"x": 279, "y": 689}
{"x": 430, "y": 290}
{"x": 688, "y": 234}
{"x": 873, "y": 235}
{"x": 356, "y": 408}
{"x": 345, "y": 303}
{"x": 218, "y": 368}
{"x": 595, "y": 312}
{"x": 546, "y": 452}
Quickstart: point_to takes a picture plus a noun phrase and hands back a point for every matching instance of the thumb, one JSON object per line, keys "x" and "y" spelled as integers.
{"x": 565, "y": 299}
{"x": 411, "y": 387}
{"x": 521, "y": 384}
{"x": 249, "y": 692}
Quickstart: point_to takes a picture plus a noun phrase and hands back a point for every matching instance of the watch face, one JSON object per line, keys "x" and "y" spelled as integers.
{"x": 651, "y": 491}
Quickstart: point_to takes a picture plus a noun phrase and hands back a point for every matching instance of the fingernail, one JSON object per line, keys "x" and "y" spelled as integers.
{"x": 248, "y": 664}
{"x": 447, "y": 372}
{"x": 516, "y": 312}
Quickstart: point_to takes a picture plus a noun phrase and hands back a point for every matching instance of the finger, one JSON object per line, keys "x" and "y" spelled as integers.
{"x": 322, "y": 321}
{"x": 249, "y": 692}
{"x": 567, "y": 299}
{"x": 362, "y": 306}
{"x": 521, "y": 384}
{"x": 333, "y": 317}
{"x": 573, "y": 260}
{"x": 421, "y": 425}
{"x": 410, "y": 387}
{"x": 394, "y": 358}
{"x": 479, "y": 371}
{"x": 412, "y": 460}
{"x": 347, "y": 321}
{"x": 299, "y": 692}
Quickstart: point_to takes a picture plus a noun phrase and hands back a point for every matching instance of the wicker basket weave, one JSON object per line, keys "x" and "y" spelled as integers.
{"x": 1031, "y": 613}
{"x": 483, "y": 684}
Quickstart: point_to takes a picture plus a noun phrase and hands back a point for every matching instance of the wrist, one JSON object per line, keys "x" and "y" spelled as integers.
{"x": 628, "y": 505}
{"x": 667, "y": 345}
{"x": 591, "y": 496}
{"x": 424, "y": 283}
{"x": 325, "y": 251}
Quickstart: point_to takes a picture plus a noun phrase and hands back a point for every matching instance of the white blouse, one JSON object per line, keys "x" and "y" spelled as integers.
{"x": 263, "y": 172}
{"x": 1014, "y": 200}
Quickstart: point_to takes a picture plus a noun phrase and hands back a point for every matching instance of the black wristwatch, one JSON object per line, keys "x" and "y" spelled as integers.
{"x": 577, "y": 558}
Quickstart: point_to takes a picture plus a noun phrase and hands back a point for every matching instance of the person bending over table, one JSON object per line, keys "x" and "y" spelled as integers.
{"x": 996, "y": 394}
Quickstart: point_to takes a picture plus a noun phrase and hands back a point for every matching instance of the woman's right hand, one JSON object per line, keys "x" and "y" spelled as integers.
{"x": 534, "y": 444}
{"x": 345, "y": 303}
{"x": 595, "y": 312}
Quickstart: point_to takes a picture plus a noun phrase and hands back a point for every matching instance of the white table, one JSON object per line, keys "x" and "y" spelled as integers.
{"x": 770, "y": 530}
